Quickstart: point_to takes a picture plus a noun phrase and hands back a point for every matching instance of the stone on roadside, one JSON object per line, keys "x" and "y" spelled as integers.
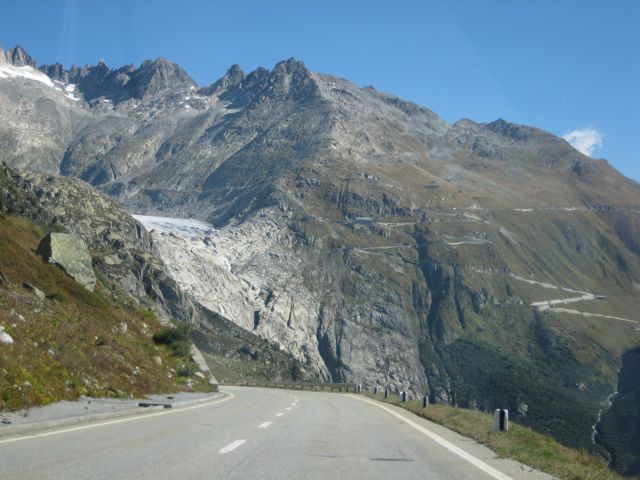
{"x": 69, "y": 253}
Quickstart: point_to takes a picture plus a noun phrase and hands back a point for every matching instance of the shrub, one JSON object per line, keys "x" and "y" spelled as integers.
{"x": 186, "y": 370}
{"x": 178, "y": 339}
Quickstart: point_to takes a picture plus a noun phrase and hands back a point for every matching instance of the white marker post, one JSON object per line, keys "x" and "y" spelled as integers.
{"x": 500, "y": 420}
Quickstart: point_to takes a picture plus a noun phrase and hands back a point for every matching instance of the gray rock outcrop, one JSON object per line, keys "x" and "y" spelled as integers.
{"x": 69, "y": 252}
{"x": 5, "y": 338}
{"x": 39, "y": 294}
{"x": 18, "y": 57}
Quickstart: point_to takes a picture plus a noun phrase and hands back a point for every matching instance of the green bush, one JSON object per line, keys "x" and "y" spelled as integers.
{"x": 178, "y": 339}
{"x": 187, "y": 370}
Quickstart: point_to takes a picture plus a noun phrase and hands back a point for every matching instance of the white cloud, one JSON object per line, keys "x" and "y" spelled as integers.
{"x": 585, "y": 140}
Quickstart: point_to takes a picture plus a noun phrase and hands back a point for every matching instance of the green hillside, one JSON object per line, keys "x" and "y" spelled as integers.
{"x": 74, "y": 342}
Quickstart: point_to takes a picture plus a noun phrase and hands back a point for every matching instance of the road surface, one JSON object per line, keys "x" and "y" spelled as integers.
{"x": 255, "y": 433}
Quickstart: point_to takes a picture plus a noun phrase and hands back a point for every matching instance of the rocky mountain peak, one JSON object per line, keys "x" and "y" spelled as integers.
{"x": 231, "y": 79}
{"x": 292, "y": 79}
{"x": 234, "y": 76}
{"x": 290, "y": 66}
{"x": 158, "y": 75}
{"x": 289, "y": 79}
{"x": 235, "y": 71}
{"x": 511, "y": 130}
{"x": 55, "y": 72}
{"x": 19, "y": 57}
{"x": 117, "y": 85}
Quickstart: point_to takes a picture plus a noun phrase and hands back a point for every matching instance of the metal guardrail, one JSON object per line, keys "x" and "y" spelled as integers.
{"x": 333, "y": 387}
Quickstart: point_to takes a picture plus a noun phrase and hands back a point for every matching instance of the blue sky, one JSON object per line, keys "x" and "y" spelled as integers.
{"x": 564, "y": 66}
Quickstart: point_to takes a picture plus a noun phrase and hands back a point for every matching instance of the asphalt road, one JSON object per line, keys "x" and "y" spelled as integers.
{"x": 256, "y": 433}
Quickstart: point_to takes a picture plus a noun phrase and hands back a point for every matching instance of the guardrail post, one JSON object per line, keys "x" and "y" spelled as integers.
{"x": 425, "y": 401}
{"x": 500, "y": 420}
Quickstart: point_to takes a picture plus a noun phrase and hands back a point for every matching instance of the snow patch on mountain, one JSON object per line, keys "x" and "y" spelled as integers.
{"x": 181, "y": 227}
{"x": 11, "y": 71}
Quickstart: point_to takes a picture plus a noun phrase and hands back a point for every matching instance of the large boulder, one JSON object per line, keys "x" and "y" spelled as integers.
{"x": 69, "y": 252}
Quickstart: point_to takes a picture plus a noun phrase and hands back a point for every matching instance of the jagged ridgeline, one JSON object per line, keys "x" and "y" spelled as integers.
{"x": 490, "y": 265}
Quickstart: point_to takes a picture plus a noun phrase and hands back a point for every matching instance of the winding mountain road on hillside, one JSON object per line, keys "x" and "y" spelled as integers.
{"x": 257, "y": 433}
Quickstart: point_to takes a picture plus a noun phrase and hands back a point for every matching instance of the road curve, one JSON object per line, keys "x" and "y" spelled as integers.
{"x": 255, "y": 433}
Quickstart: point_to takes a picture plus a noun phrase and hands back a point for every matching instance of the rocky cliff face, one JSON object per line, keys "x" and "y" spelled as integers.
{"x": 122, "y": 254}
{"x": 18, "y": 57}
{"x": 619, "y": 430}
{"x": 120, "y": 247}
{"x": 487, "y": 264}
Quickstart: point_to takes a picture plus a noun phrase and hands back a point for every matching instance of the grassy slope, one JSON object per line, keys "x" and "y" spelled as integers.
{"x": 74, "y": 342}
{"x": 519, "y": 443}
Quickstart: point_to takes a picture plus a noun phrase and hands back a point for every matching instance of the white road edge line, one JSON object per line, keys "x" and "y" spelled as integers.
{"x": 476, "y": 462}
{"x": 122, "y": 420}
{"x": 264, "y": 424}
{"x": 232, "y": 446}
{"x": 279, "y": 414}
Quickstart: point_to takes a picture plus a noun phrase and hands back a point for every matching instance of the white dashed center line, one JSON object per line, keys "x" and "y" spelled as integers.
{"x": 288, "y": 408}
{"x": 264, "y": 424}
{"x": 232, "y": 446}
{"x": 279, "y": 414}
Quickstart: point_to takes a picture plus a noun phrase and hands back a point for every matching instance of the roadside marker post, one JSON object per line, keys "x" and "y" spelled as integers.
{"x": 500, "y": 420}
{"x": 375, "y": 390}
{"x": 386, "y": 393}
{"x": 425, "y": 401}
{"x": 403, "y": 397}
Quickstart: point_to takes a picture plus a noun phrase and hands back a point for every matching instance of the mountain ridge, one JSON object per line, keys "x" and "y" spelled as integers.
{"x": 370, "y": 238}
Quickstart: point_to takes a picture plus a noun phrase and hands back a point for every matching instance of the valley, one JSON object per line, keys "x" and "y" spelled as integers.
{"x": 345, "y": 233}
